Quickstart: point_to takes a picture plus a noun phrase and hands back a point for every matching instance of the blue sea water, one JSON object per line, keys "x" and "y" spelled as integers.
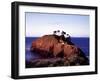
{"x": 82, "y": 43}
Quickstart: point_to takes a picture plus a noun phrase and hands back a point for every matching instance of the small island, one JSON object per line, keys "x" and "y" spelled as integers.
{"x": 56, "y": 49}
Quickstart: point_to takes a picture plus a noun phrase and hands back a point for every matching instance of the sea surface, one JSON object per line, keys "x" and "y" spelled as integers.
{"x": 82, "y": 43}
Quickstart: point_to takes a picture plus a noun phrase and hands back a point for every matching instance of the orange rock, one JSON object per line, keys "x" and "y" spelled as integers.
{"x": 70, "y": 50}
{"x": 51, "y": 45}
{"x": 58, "y": 49}
{"x": 44, "y": 44}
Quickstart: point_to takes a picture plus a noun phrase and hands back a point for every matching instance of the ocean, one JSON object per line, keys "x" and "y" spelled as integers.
{"x": 82, "y": 43}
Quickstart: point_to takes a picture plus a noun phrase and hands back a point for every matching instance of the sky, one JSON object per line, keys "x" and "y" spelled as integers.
{"x": 39, "y": 24}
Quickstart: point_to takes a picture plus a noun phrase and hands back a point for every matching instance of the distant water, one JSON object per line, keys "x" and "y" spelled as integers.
{"x": 82, "y": 43}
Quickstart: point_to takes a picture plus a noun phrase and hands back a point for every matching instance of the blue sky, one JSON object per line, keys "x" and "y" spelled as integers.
{"x": 39, "y": 24}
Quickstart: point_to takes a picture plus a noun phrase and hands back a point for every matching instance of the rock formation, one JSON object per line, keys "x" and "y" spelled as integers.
{"x": 57, "y": 52}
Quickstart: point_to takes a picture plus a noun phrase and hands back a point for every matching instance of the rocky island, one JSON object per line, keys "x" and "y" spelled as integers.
{"x": 56, "y": 50}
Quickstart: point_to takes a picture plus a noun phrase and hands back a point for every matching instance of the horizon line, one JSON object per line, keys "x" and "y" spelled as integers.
{"x": 71, "y": 36}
